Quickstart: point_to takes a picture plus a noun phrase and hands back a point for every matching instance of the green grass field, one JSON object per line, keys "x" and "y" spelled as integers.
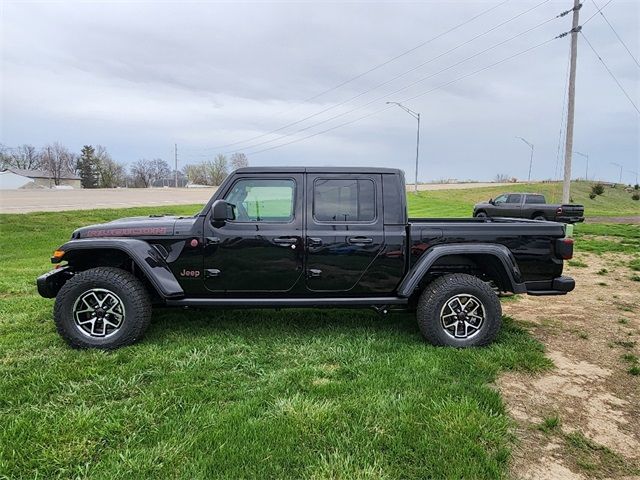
{"x": 459, "y": 203}
{"x": 243, "y": 394}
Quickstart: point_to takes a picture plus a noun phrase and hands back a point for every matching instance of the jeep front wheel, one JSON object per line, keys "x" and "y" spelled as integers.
{"x": 103, "y": 308}
{"x": 459, "y": 310}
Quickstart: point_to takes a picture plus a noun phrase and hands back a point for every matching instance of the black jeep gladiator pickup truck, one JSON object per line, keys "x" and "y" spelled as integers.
{"x": 529, "y": 205}
{"x": 303, "y": 237}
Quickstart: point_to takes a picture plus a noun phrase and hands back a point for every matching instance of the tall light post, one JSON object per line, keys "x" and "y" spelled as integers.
{"x": 620, "y": 167}
{"x": 586, "y": 175}
{"x": 415, "y": 115}
{"x": 531, "y": 158}
{"x": 634, "y": 172}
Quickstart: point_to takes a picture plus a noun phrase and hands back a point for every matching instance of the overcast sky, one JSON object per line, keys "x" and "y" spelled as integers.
{"x": 138, "y": 77}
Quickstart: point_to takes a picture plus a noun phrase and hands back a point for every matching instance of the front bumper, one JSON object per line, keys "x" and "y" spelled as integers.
{"x": 558, "y": 286}
{"x": 51, "y": 282}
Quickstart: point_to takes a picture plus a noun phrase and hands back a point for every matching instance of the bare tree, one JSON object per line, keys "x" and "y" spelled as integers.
{"x": 57, "y": 160}
{"x": 160, "y": 170}
{"x": 502, "y": 178}
{"x": 111, "y": 174}
{"x": 217, "y": 170}
{"x": 196, "y": 173}
{"x": 142, "y": 173}
{"x": 5, "y": 159}
{"x": 146, "y": 172}
{"x": 25, "y": 157}
{"x": 239, "y": 160}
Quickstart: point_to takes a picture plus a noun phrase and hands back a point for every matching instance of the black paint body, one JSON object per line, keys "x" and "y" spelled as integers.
{"x": 196, "y": 260}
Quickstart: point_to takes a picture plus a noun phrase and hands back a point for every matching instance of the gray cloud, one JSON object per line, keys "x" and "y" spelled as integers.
{"x": 140, "y": 76}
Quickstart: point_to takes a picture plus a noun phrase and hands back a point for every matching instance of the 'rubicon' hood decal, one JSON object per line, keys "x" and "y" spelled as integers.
{"x": 129, "y": 227}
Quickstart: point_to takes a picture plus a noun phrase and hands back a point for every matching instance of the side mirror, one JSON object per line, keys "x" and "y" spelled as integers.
{"x": 222, "y": 211}
{"x": 491, "y": 201}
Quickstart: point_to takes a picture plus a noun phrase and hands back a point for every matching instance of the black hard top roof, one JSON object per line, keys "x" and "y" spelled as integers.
{"x": 318, "y": 170}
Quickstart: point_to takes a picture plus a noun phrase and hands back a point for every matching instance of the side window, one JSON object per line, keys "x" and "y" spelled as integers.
{"x": 514, "y": 198}
{"x": 337, "y": 200}
{"x": 262, "y": 200}
{"x": 534, "y": 199}
{"x": 500, "y": 199}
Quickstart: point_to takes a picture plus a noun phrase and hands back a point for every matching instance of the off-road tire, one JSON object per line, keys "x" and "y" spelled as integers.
{"x": 434, "y": 298}
{"x": 131, "y": 292}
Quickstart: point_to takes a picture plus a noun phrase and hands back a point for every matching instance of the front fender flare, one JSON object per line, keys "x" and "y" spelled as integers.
{"x": 426, "y": 261}
{"x": 144, "y": 256}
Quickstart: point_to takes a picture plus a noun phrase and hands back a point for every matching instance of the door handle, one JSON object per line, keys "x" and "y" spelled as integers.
{"x": 211, "y": 273}
{"x": 314, "y": 242}
{"x": 285, "y": 240}
{"x": 314, "y": 273}
{"x": 212, "y": 240}
{"x": 359, "y": 240}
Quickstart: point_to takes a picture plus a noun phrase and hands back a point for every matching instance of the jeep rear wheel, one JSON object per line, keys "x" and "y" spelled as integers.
{"x": 459, "y": 310}
{"x": 102, "y": 307}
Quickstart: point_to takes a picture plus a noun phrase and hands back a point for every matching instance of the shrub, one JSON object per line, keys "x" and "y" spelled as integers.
{"x": 635, "y": 196}
{"x": 592, "y": 196}
{"x": 597, "y": 188}
{"x": 636, "y": 187}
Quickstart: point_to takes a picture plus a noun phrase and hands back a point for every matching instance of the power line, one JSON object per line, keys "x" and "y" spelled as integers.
{"x": 563, "y": 115}
{"x": 610, "y": 73}
{"x": 596, "y": 13}
{"x": 406, "y": 87}
{"x": 616, "y": 34}
{"x": 408, "y": 99}
{"x": 372, "y": 69}
{"x": 334, "y": 106}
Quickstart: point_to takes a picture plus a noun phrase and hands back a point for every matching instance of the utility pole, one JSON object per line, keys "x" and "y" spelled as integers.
{"x": 49, "y": 162}
{"x": 176, "y": 167}
{"x": 634, "y": 172}
{"x": 620, "y": 167}
{"x": 586, "y": 174}
{"x": 571, "y": 104}
{"x": 415, "y": 115}
{"x": 530, "y": 158}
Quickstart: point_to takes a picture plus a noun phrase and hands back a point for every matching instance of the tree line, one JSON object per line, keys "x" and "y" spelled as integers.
{"x": 97, "y": 169}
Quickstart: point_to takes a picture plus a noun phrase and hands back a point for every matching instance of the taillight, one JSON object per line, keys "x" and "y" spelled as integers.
{"x": 564, "y": 248}
{"x": 558, "y": 210}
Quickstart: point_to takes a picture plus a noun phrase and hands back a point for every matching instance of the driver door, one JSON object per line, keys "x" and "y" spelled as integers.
{"x": 261, "y": 249}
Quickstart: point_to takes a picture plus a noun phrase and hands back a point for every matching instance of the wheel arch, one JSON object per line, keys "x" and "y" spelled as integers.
{"x": 133, "y": 255}
{"x": 492, "y": 261}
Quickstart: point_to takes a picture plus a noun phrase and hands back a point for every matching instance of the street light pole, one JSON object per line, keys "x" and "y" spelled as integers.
{"x": 531, "y": 158}
{"x": 619, "y": 166}
{"x": 415, "y": 115}
{"x": 586, "y": 175}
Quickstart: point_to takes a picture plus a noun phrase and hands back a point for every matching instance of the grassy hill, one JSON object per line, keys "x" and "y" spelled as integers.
{"x": 459, "y": 203}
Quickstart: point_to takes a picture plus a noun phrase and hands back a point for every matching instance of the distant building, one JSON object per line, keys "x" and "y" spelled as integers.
{"x": 15, "y": 178}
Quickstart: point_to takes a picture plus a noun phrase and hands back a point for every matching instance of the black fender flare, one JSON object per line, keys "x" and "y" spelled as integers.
{"x": 145, "y": 257}
{"x": 426, "y": 261}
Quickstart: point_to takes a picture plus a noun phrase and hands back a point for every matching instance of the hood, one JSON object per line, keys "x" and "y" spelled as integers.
{"x": 151, "y": 226}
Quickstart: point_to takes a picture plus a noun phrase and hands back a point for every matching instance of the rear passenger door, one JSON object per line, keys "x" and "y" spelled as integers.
{"x": 345, "y": 230}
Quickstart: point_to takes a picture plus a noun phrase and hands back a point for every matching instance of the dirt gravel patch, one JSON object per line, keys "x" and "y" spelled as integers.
{"x": 582, "y": 418}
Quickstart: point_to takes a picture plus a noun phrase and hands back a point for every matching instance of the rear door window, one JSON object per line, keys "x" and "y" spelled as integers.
{"x": 344, "y": 201}
{"x": 534, "y": 199}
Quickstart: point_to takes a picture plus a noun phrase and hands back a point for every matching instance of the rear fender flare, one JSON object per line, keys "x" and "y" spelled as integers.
{"x": 145, "y": 257}
{"x": 427, "y": 260}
